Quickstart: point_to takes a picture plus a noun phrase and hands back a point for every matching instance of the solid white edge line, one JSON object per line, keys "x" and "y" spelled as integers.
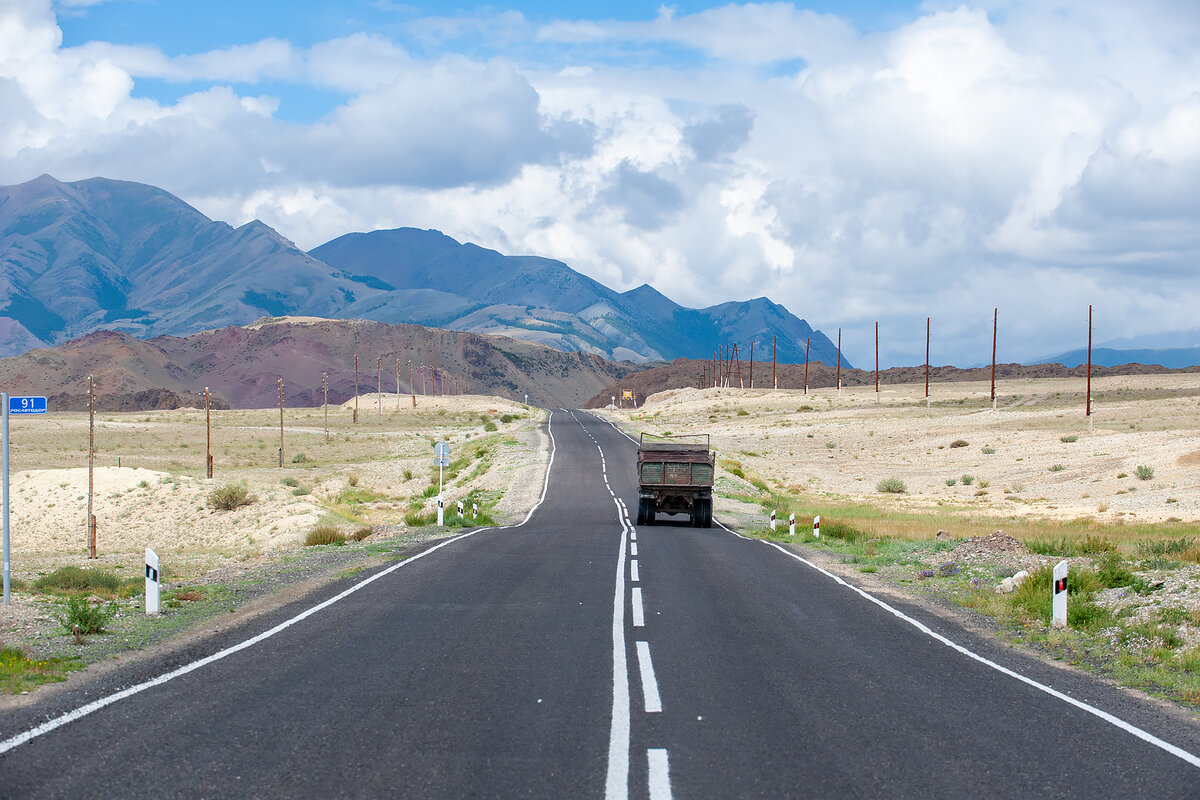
{"x": 649, "y": 683}
{"x": 639, "y": 614}
{"x": 1117, "y": 722}
{"x": 84, "y": 710}
{"x": 659, "y": 768}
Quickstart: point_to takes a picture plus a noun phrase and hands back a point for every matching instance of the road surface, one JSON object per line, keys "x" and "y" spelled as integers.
{"x": 577, "y": 655}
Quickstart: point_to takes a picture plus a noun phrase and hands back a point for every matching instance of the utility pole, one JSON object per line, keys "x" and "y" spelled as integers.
{"x": 807, "y": 344}
{"x": 1088, "y": 407}
{"x": 737, "y": 354}
{"x": 839, "y": 364}
{"x": 411, "y": 388}
{"x": 356, "y": 387}
{"x": 752, "y": 365}
{"x": 876, "y": 362}
{"x": 995, "y": 321}
{"x": 281, "y": 422}
{"x": 208, "y": 459}
{"x": 397, "y": 383}
{"x": 325, "y": 401}
{"x": 379, "y": 382}
{"x": 91, "y": 518}
{"x": 927, "y": 362}
{"x": 774, "y": 348}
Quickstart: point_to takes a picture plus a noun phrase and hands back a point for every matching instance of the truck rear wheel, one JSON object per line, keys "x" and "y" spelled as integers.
{"x": 702, "y": 513}
{"x": 647, "y": 508}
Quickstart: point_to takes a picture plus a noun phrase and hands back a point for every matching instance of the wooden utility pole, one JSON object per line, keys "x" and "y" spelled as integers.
{"x": 91, "y": 518}
{"x": 208, "y": 459}
{"x": 356, "y": 387}
{"x": 325, "y": 401}
{"x": 379, "y": 382}
{"x": 281, "y": 422}
{"x": 737, "y": 355}
{"x": 1088, "y": 408}
{"x": 774, "y": 348}
{"x": 807, "y": 345}
{"x": 839, "y": 363}
{"x": 927, "y": 362}
{"x": 411, "y": 388}
{"x": 397, "y": 383}
{"x": 876, "y": 359}
{"x": 995, "y": 322}
{"x": 752, "y": 365}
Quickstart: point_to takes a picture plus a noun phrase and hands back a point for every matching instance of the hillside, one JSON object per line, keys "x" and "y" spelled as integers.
{"x": 242, "y": 366}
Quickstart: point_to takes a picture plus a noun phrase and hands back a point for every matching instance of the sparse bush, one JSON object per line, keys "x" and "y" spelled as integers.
{"x": 988, "y": 450}
{"x": 949, "y": 569}
{"x": 951, "y": 481}
{"x": 230, "y": 496}
{"x": 489, "y": 426}
{"x": 324, "y": 533}
{"x": 1068, "y": 439}
{"x": 959, "y": 443}
{"x": 891, "y": 486}
{"x": 408, "y": 474}
{"x": 290, "y": 482}
{"x": 967, "y": 480}
{"x": 81, "y": 617}
{"x": 803, "y": 409}
{"x": 1144, "y": 473}
{"x": 352, "y": 479}
{"x": 1122, "y": 475}
{"x": 78, "y": 579}
{"x": 299, "y": 458}
{"x": 417, "y": 518}
{"x": 741, "y": 412}
{"x": 362, "y": 533}
{"x": 984, "y": 484}
{"x": 1057, "y": 467}
{"x": 300, "y": 491}
{"x": 830, "y": 445}
{"x": 506, "y": 418}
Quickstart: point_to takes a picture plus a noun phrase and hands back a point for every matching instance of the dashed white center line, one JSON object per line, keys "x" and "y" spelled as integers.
{"x": 639, "y": 616}
{"x": 660, "y": 774}
{"x": 633, "y": 570}
{"x": 633, "y": 548}
{"x": 649, "y": 683}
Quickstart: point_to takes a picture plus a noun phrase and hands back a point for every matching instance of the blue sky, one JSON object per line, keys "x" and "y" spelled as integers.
{"x": 856, "y": 162}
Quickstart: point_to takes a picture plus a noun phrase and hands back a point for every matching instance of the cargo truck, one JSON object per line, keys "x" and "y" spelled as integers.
{"x": 675, "y": 476}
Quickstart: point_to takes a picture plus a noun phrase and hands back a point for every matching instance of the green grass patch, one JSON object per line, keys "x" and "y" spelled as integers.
{"x": 19, "y": 673}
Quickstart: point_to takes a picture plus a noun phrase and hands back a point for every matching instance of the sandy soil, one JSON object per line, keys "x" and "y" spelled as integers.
{"x": 843, "y": 445}
{"x": 157, "y": 497}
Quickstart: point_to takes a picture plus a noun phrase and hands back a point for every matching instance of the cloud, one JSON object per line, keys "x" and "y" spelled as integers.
{"x": 722, "y": 133}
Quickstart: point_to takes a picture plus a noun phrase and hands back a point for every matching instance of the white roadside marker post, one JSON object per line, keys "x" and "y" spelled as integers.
{"x": 460, "y": 508}
{"x": 152, "y": 584}
{"x": 792, "y": 524}
{"x": 474, "y": 510}
{"x": 817, "y": 526}
{"x": 772, "y": 520}
{"x": 441, "y": 512}
{"x": 1059, "y": 601}
{"x": 442, "y": 452}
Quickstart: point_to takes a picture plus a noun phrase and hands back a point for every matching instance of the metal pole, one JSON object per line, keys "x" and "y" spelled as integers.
{"x": 995, "y": 322}
{"x": 208, "y": 461}
{"x": 807, "y": 344}
{"x": 356, "y": 387}
{"x": 1088, "y": 408}
{"x": 325, "y": 400}
{"x": 927, "y": 361}
{"x": 7, "y": 578}
{"x": 839, "y": 363}
{"x": 281, "y": 422}
{"x": 91, "y": 519}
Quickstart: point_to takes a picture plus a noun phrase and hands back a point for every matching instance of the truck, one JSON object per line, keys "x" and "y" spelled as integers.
{"x": 675, "y": 476}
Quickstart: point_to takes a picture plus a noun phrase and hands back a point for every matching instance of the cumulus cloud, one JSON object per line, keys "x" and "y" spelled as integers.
{"x": 1000, "y": 153}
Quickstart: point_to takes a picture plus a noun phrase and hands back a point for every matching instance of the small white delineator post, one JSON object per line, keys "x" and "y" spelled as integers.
{"x": 791, "y": 524}
{"x": 460, "y": 508}
{"x": 772, "y": 520}
{"x": 1059, "y": 598}
{"x": 817, "y": 526}
{"x": 441, "y": 511}
{"x": 152, "y": 583}
{"x": 474, "y": 510}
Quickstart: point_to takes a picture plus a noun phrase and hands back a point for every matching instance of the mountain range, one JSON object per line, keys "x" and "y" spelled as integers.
{"x": 103, "y": 254}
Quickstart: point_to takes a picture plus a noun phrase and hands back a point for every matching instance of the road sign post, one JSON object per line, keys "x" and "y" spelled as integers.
{"x": 12, "y": 405}
{"x": 442, "y": 452}
{"x": 792, "y": 524}
{"x": 1059, "y": 598}
{"x": 152, "y": 584}
{"x": 772, "y": 520}
{"x": 817, "y": 526}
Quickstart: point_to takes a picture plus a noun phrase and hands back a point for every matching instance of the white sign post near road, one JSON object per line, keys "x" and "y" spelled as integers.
{"x": 442, "y": 452}
{"x": 1059, "y": 598}
{"x": 152, "y": 583}
{"x": 13, "y": 405}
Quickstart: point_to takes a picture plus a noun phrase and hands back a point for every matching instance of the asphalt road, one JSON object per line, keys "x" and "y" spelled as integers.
{"x": 579, "y": 656}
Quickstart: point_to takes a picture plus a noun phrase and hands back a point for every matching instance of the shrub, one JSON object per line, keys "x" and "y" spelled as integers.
{"x": 988, "y": 450}
{"x": 950, "y": 568}
{"x": 290, "y": 482}
{"x": 230, "y": 496}
{"x": 741, "y": 412}
{"x": 506, "y": 418}
{"x": 1144, "y": 473}
{"x": 408, "y": 474}
{"x": 891, "y": 486}
{"x": 352, "y": 479}
{"x": 489, "y": 426}
{"x": 77, "y": 579}
{"x": 1057, "y": 467}
{"x": 951, "y": 481}
{"x": 830, "y": 445}
{"x": 959, "y": 443}
{"x": 417, "y": 518}
{"x": 300, "y": 491}
{"x": 967, "y": 480}
{"x": 362, "y": 533}
{"x": 324, "y": 533}
{"x": 1068, "y": 439}
{"x": 299, "y": 458}
{"x": 81, "y": 617}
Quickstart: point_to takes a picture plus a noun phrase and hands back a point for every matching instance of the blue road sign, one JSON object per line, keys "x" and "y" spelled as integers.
{"x": 26, "y": 405}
